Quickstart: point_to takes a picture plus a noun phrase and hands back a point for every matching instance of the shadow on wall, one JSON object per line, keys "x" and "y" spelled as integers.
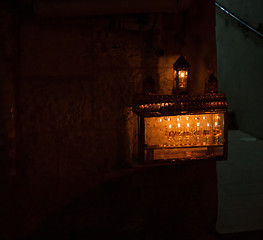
{"x": 232, "y": 121}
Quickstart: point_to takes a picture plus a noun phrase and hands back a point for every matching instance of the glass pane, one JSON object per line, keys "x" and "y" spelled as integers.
{"x": 196, "y": 134}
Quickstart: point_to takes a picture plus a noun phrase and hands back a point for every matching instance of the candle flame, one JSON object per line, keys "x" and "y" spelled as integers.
{"x": 170, "y": 126}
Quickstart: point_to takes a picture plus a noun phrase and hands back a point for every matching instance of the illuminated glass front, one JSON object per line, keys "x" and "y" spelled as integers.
{"x": 184, "y": 136}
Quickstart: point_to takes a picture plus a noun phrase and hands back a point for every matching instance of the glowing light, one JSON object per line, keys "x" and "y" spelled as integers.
{"x": 161, "y": 120}
{"x": 187, "y": 124}
{"x": 170, "y": 125}
{"x": 169, "y": 119}
{"x": 217, "y": 117}
{"x": 195, "y": 118}
{"x": 198, "y": 124}
{"x": 187, "y": 118}
{"x": 179, "y": 124}
{"x": 178, "y": 119}
{"x": 215, "y": 123}
{"x": 207, "y": 124}
{"x": 203, "y": 117}
{"x": 182, "y": 74}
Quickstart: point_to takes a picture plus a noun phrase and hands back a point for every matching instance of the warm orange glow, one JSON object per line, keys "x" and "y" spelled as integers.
{"x": 184, "y": 130}
{"x": 182, "y": 79}
{"x": 181, "y": 134}
{"x": 183, "y": 74}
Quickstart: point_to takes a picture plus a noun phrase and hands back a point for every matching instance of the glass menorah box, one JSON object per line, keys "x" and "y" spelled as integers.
{"x": 183, "y": 127}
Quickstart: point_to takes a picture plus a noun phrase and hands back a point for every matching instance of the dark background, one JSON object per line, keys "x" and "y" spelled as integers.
{"x": 69, "y": 73}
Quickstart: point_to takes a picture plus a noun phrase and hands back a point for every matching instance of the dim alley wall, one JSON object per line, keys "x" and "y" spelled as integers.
{"x": 70, "y": 82}
{"x": 239, "y": 63}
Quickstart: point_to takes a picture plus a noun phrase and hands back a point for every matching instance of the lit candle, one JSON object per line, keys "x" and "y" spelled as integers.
{"x": 187, "y": 118}
{"x": 207, "y": 133}
{"x": 187, "y": 124}
{"x": 170, "y": 125}
{"x": 215, "y": 124}
{"x": 198, "y": 124}
{"x": 169, "y": 119}
{"x": 179, "y": 124}
{"x": 178, "y": 119}
{"x": 161, "y": 120}
{"x": 203, "y": 117}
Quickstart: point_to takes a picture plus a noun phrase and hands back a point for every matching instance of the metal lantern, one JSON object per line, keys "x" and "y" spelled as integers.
{"x": 181, "y": 75}
{"x": 181, "y": 128}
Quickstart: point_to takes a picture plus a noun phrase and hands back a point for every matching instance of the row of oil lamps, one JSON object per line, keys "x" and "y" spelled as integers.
{"x": 182, "y": 133}
{"x": 194, "y": 137}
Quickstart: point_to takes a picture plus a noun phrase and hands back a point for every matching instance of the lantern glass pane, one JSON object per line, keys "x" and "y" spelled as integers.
{"x": 175, "y": 74}
{"x": 182, "y": 78}
{"x": 184, "y": 136}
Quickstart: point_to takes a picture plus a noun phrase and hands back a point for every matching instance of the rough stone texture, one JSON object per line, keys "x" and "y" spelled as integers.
{"x": 8, "y": 63}
{"x": 240, "y": 63}
{"x": 75, "y": 130}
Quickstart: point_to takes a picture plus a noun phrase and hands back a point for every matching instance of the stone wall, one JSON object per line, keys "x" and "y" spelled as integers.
{"x": 75, "y": 82}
